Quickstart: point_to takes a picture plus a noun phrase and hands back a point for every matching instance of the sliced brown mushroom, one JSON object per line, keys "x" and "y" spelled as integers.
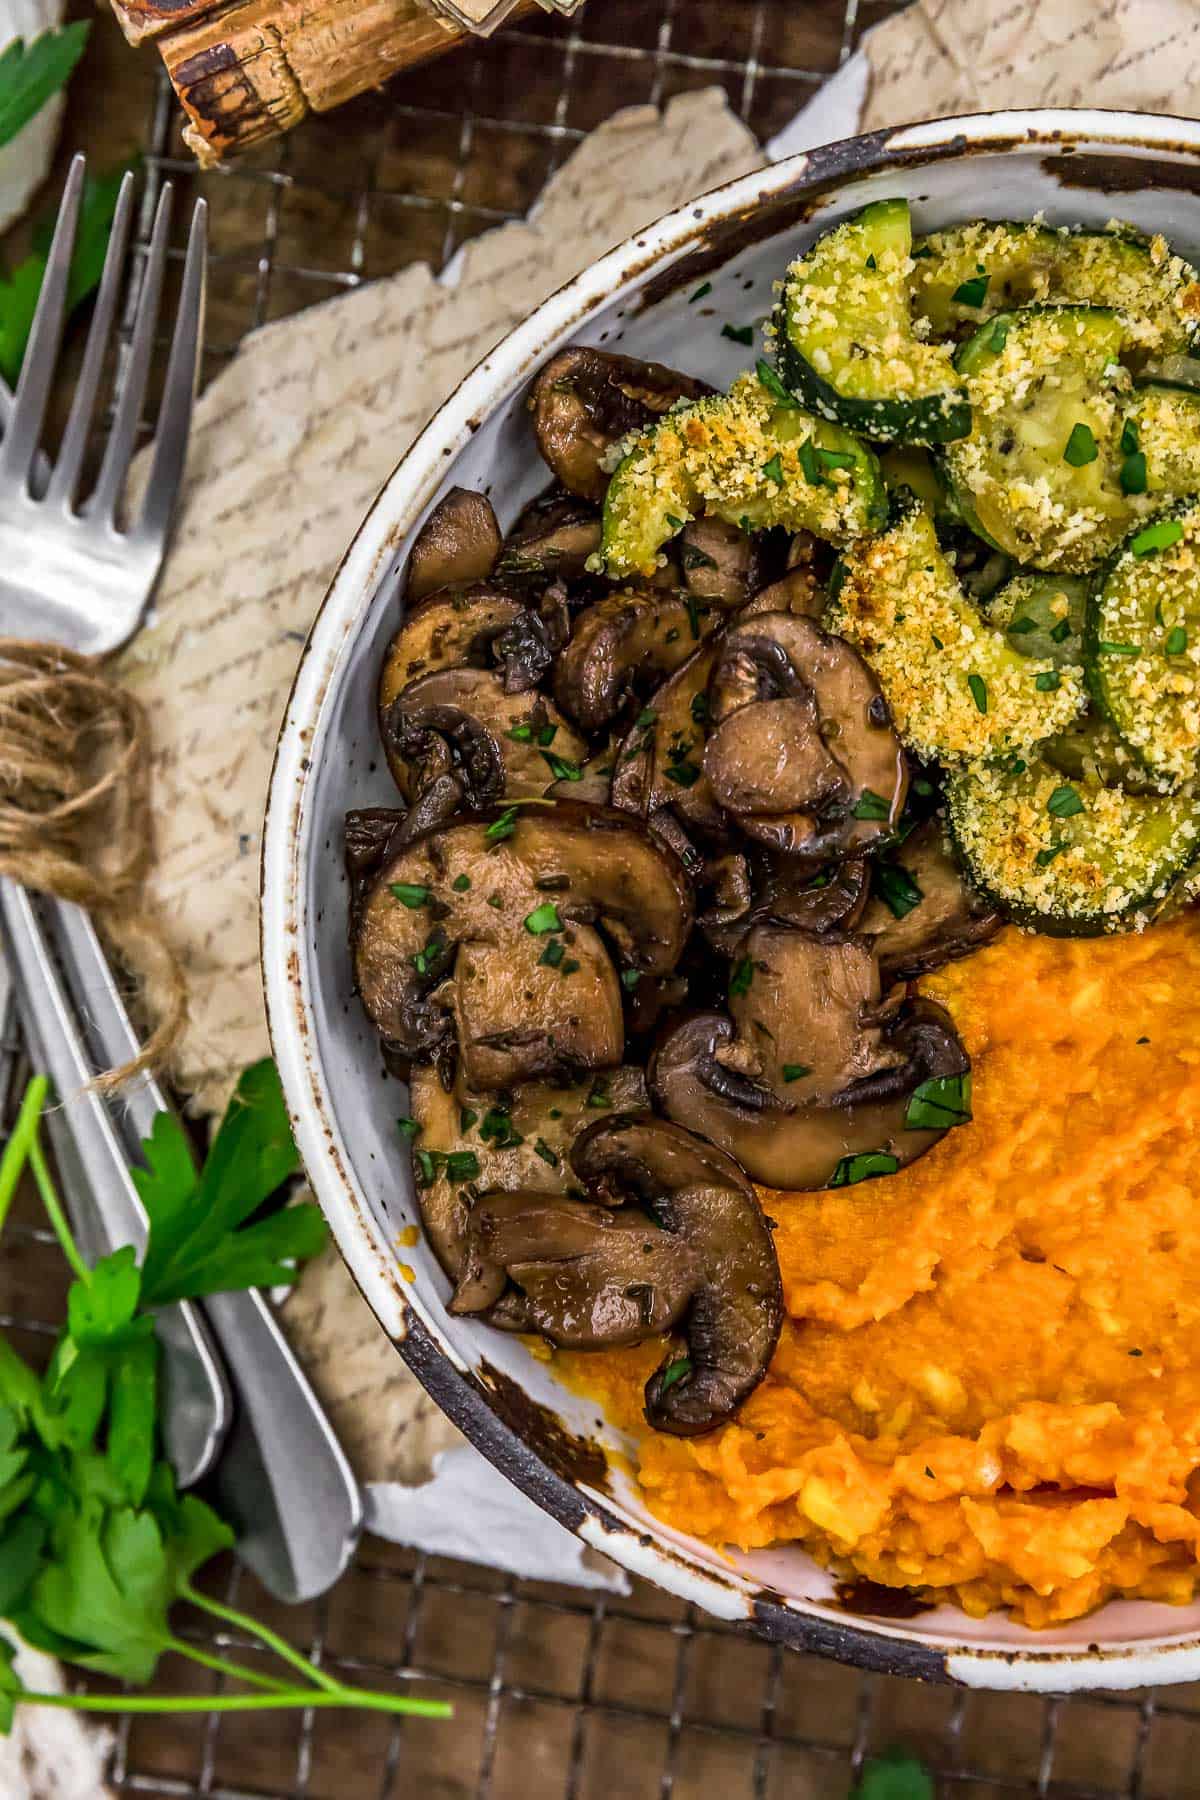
{"x": 519, "y": 1140}
{"x": 659, "y": 766}
{"x": 922, "y": 913}
{"x": 694, "y": 1191}
{"x": 504, "y": 994}
{"x": 463, "y": 721}
{"x": 799, "y": 592}
{"x": 719, "y": 563}
{"x": 554, "y": 536}
{"x": 448, "y": 631}
{"x": 831, "y": 899}
{"x": 620, "y": 646}
{"x": 458, "y": 543}
{"x": 584, "y": 400}
{"x": 589, "y": 1276}
{"x": 801, "y": 746}
{"x": 544, "y": 873}
{"x": 812, "y": 1070}
{"x": 368, "y": 833}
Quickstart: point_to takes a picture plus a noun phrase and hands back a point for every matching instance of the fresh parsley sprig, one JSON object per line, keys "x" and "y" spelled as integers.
{"x": 31, "y": 74}
{"x": 96, "y": 1545}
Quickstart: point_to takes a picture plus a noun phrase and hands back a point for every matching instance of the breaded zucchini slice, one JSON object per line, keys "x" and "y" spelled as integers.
{"x": 1142, "y": 642}
{"x": 1070, "y": 858}
{"x": 1042, "y": 616}
{"x": 971, "y": 272}
{"x": 845, "y": 339}
{"x": 752, "y": 457}
{"x": 957, "y": 689}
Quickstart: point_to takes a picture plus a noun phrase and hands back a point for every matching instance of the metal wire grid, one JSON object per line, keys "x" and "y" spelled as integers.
{"x": 647, "y": 1699}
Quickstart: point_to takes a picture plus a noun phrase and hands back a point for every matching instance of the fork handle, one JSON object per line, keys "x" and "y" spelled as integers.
{"x": 284, "y": 1480}
{"x": 101, "y": 1193}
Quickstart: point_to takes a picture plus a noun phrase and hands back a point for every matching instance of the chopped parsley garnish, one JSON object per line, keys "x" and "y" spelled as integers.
{"x": 1159, "y": 536}
{"x": 646, "y": 718}
{"x": 939, "y": 1103}
{"x": 409, "y": 893}
{"x": 684, "y": 774}
{"x": 972, "y": 292}
{"x": 542, "y": 919}
{"x": 520, "y": 734}
{"x": 810, "y": 467}
{"x": 541, "y": 1148}
{"x": 1047, "y": 681}
{"x": 896, "y": 888}
{"x": 871, "y": 263}
{"x": 570, "y": 966}
{"x": 1020, "y": 626}
{"x": 772, "y": 383}
{"x": 738, "y": 334}
{"x": 699, "y": 709}
{"x": 1081, "y": 447}
{"x": 461, "y": 883}
{"x": 704, "y": 288}
{"x": 1177, "y": 640}
{"x": 999, "y": 335}
{"x": 599, "y": 1096}
{"x": 693, "y": 613}
{"x": 692, "y": 557}
{"x": 456, "y": 1165}
{"x": 1044, "y": 858}
{"x": 503, "y": 827}
{"x": 630, "y": 978}
{"x": 675, "y": 1371}
{"x": 561, "y": 767}
{"x": 466, "y": 1118}
{"x": 1064, "y": 803}
{"x": 741, "y": 977}
{"x": 1061, "y": 632}
{"x": 773, "y": 470}
{"x": 674, "y": 523}
{"x": 462, "y": 1165}
{"x": 1107, "y": 649}
{"x": 409, "y": 1128}
{"x": 867, "y": 1163}
{"x": 795, "y": 1071}
{"x": 1133, "y": 473}
{"x": 1129, "y": 437}
{"x": 835, "y": 459}
{"x": 871, "y": 805}
{"x": 979, "y": 693}
{"x": 553, "y": 954}
{"x": 496, "y": 1128}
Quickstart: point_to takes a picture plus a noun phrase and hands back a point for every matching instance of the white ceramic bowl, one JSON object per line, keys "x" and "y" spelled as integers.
{"x": 1077, "y": 167}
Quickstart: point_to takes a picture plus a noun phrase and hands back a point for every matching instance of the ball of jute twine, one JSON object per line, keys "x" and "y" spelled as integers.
{"x": 75, "y": 814}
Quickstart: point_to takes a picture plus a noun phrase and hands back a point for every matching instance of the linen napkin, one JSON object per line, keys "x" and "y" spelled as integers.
{"x": 290, "y": 446}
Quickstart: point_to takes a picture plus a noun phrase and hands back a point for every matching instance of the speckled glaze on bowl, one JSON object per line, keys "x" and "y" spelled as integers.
{"x": 1078, "y": 167}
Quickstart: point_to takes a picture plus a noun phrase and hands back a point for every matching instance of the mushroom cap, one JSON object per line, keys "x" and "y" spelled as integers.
{"x": 693, "y": 1190}
{"x": 584, "y": 400}
{"x": 539, "y": 872}
{"x": 618, "y": 644}
{"x": 464, "y": 720}
{"x": 459, "y": 542}
{"x": 935, "y": 917}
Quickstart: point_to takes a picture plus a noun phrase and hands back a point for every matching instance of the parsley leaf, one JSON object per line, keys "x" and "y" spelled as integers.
{"x": 972, "y": 292}
{"x": 31, "y": 74}
{"x": 1081, "y": 447}
{"x": 738, "y": 334}
{"x": 853, "y": 1169}
{"x": 201, "y": 1240}
{"x": 894, "y": 1776}
{"x": 939, "y": 1103}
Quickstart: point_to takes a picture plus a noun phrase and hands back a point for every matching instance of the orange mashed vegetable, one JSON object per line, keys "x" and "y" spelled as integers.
{"x": 988, "y": 1385}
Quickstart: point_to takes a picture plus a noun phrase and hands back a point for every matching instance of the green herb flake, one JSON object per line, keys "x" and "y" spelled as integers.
{"x": 461, "y": 883}
{"x": 674, "y": 523}
{"x": 972, "y": 292}
{"x": 462, "y": 1165}
{"x": 541, "y": 1148}
{"x": 503, "y": 827}
{"x": 561, "y": 767}
{"x": 1020, "y": 626}
{"x": 1047, "y": 681}
{"x": 496, "y": 1128}
{"x": 871, "y": 805}
{"x": 741, "y": 977}
{"x": 939, "y": 1103}
{"x": 770, "y": 380}
{"x": 809, "y": 466}
{"x": 1061, "y": 632}
{"x": 408, "y": 1128}
{"x": 795, "y": 1071}
{"x": 999, "y": 335}
{"x": 868, "y": 1163}
{"x": 553, "y": 954}
{"x": 1064, "y": 803}
{"x": 1044, "y": 858}
{"x": 836, "y": 459}
{"x": 1133, "y": 473}
{"x": 599, "y": 1096}
{"x": 467, "y": 1117}
{"x": 409, "y": 893}
{"x": 1106, "y": 649}
{"x": 1177, "y": 641}
{"x": 773, "y": 470}
{"x": 521, "y": 734}
{"x": 1081, "y": 447}
{"x": 979, "y": 693}
{"x": 542, "y": 919}
{"x": 693, "y": 613}
{"x": 684, "y": 774}
{"x": 569, "y": 966}
{"x": 738, "y": 334}
{"x": 897, "y": 889}
{"x": 699, "y": 709}
{"x": 701, "y": 293}
{"x": 674, "y": 1371}
{"x": 630, "y": 978}
{"x": 1159, "y": 536}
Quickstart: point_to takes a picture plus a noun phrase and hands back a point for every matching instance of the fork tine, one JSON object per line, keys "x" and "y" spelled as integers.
{"x": 37, "y": 371}
{"x": 175, "y": 416}
{"x": 65, "y": 478}
{"x": 123, "y": 437}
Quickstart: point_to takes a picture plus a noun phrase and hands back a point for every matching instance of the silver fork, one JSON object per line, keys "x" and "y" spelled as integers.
{"x": 77, "y": 574}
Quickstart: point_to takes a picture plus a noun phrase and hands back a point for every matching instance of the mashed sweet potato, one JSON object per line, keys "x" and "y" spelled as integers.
{"x": 989, "y": 1384}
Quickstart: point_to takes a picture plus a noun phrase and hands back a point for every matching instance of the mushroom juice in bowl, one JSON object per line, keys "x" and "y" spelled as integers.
{"x": 840, "y": 819}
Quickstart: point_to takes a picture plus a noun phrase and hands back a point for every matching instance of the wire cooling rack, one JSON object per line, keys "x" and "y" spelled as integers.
{"x": 558, "y": 1695}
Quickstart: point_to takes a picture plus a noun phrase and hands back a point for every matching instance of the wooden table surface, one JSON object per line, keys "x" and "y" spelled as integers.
{"x": 559, "y": 1696}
